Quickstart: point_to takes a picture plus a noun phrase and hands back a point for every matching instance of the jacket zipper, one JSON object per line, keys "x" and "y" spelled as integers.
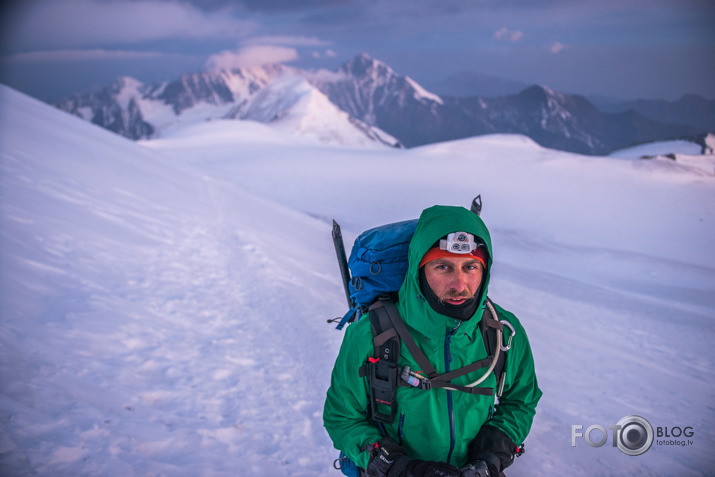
{"x": 450, "y": 409}
{"x": 400, "y": 427}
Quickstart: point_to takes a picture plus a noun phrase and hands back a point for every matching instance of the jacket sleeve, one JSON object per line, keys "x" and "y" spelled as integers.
{"x": 344, "y": 414}
{"x": 517, "y": 405}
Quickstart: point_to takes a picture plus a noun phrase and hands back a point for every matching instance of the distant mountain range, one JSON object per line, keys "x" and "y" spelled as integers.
{"x": 365, "y": 102}
{"x": 272, "y": 94}
{"x": 472, "y": 83}
{"x": 690, "y": 110}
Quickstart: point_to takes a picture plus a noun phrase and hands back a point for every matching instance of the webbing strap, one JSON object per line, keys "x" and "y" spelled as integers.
{"x": 482, "y": 363}
{"x": 427, "y": 384}
{"x": 490, "y": 322}
{"x": 382, "y": 338}
{"x": 387, "y": 308}
{"x": 466, "y": 389}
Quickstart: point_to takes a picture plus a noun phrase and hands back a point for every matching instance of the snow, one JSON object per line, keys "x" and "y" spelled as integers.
{"x": 681, "y": 154}
{"x": 420, "y": 92}
{"x": 293, "y": 107}
{"x": 163, "y": 304}
{"x": 659, "y": 148}
{"x": 130, "y": 89}
{"x": 710, "y": 142}
{"x": 164, "y": 119}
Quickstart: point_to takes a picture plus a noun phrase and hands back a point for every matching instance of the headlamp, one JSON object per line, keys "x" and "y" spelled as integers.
{"x": 459, "y": 242}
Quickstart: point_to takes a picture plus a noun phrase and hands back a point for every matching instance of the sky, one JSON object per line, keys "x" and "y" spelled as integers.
{"x": 624, "y": 49}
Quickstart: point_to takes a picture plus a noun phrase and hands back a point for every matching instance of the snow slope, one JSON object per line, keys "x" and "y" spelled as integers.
{"x": 163, "y": 303}
{"x": 659, "y": 148}
{"x": 684, "y": 154}
{"x": 148, "y": 324}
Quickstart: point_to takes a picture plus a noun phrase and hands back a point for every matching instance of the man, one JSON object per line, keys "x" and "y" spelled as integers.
{"x": 438, "y": 432}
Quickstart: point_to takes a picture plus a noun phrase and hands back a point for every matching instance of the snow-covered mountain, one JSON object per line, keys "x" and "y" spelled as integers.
{"x": 571, "y": 123}
{"x": 372, "y": 91}
{"x": 382, "y": 106}
{"x": 294, "y": 106}
{"x": 115, "y": 107}
{"x": 270, "y": 94}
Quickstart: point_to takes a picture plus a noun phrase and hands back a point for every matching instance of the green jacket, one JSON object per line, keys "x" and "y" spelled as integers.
{"x": 438, "y": 424}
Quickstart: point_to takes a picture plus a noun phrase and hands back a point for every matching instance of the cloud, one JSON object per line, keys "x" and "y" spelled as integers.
{"x": 324, "y": 54}
{"x": 286, "y": 40}
{"x": 557, "y": 47}
{"x": 45, "y": 56}
{"x": 508, "y": 35}
{"x": 277, "y": 41}
{"x": 251, "y": 56}
{"x": 80, "y": 23}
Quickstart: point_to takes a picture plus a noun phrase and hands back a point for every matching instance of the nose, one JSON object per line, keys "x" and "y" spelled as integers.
{"x": 459, "y": 281}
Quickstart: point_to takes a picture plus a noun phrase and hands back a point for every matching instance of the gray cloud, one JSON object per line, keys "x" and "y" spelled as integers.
{"x": 87, "y": 23}
{"x": 270, "y": 6}
{"x": 46, "y": 56}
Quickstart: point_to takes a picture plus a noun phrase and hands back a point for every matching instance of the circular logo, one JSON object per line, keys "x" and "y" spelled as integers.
{"x": 635, "y": 435}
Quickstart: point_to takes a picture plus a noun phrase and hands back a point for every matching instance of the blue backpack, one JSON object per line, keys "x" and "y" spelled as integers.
{"x": 377, "y": 265}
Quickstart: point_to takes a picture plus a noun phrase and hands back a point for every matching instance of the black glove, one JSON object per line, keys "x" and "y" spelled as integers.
{"x": 493, "y": 447}
{"x": 477, "y": 469}
{"x": 387, "y": 459}
{"x": 424, "y": 468}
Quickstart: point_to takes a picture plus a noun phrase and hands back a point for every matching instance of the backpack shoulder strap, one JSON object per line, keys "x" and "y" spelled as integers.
{"x": 388, "y": 310}
{"x": 382, "y": 370}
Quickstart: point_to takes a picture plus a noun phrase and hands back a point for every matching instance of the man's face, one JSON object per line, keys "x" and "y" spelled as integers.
{"x": 454, "y": 280}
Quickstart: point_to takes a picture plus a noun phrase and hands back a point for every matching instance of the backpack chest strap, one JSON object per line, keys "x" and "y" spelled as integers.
{"x": 385, "y": 310}
{"x": 427, "y": 384}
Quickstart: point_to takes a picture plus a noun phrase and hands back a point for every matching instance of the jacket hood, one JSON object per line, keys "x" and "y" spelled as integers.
{"x": 434, "y": 223}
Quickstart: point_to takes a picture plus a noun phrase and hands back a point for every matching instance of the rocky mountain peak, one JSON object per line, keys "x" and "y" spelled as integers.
{"x": 365, "y": 66}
